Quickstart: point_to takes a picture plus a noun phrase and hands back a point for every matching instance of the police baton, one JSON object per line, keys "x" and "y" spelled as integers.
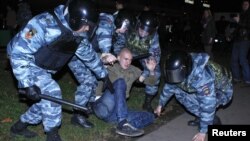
{"x": 57, "y": 100}
{"x": 141, "y": 56}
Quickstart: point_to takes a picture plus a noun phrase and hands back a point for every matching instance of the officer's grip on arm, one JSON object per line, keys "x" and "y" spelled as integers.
{"x": 108, "y": 58}
{"x": 107, "y": 84}
{"x": 31, "y": 92}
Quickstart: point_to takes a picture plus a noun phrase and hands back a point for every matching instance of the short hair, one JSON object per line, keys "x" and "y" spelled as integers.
{"x": 125, "y": 49}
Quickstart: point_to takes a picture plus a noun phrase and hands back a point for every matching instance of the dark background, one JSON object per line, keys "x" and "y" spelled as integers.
{"x": 169, "y": 6}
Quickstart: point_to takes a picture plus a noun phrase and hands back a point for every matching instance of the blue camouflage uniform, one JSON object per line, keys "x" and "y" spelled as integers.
{"x": 208, "y": 86}
{"x": 41, "y": 31}
{"x": 105, "y": 32}
{"x": 102, "y": 43}
{"x": 140, "y": 46}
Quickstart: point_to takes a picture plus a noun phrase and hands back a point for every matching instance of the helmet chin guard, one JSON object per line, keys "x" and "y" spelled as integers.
{"x": 177, "y": 67}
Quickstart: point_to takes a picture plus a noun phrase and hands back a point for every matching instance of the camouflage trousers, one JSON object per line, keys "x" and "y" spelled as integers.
{"x": 86, "y": 79}
{"x": 47, "y": 112}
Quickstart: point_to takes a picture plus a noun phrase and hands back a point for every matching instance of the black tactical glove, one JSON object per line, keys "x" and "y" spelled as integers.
{"x": 107, "y": 84}
{"x": 33, "y": 93}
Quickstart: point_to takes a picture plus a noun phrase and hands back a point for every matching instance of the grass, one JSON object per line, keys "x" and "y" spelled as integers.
{"x": 12, "y": 106}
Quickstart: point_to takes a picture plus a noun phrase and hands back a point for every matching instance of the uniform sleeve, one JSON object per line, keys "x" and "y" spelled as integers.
{"x": 104, "y": 32}
{"x": 207, "y": 99}
{"x": 90, "y": 58}
{"x": 155, "y": 50}
{"x": 119, "y": 42}
{"x": 166, "y": 94}
{"x": 151, "y": 80}
{"x": 21, "y": 49}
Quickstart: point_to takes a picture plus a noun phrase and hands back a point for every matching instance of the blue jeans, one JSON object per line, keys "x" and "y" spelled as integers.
{"x": 239, "y": 59}
{"x": 113, "y": 108}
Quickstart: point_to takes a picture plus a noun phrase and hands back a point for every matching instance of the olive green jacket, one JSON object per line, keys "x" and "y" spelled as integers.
{"x": 130, "y": 75}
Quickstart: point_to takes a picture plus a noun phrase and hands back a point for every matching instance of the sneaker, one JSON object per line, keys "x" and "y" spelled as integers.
{"x": 128, "y": 130}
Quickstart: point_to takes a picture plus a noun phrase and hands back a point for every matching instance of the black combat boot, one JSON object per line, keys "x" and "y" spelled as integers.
{"x": 20, "y": 128}
{"x": 147, "y": 103}
{"x": 194, "y": 122}
{"x": 217, "y": 121}
{"x": 53, "y": 135}
{"x": 90, "y": 108}
{"x": 80, "y": 120}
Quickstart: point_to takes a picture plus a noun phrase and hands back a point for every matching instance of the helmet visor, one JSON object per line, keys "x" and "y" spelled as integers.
{"x": 146, "y": 28}
{"x": 77, "y": 23}
{"x": 175, "y": 76}
{"x": 92, "y": 29}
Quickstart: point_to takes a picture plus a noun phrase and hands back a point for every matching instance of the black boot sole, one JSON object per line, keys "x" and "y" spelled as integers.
{"x": 192, "y": 123}
{"x": 14, "y": 135}
{"x": 75, "y": 123}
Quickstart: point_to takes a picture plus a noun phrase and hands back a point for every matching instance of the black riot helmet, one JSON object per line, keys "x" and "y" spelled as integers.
{"x": 81, "y": 12}
{"x": 148, "y": 21}
{"x": 177, "y": 67}
{"x": 124, "y": 19}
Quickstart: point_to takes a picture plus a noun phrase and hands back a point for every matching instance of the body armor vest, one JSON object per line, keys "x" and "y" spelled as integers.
{"x": 221, "y": 73}
{"x": 187, "y": 87}
{"x": 56, "y": 54}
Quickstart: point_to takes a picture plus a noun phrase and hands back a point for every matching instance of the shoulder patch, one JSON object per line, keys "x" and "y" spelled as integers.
{"x": 205, "y": 90}
{"x": 30, "y": 33}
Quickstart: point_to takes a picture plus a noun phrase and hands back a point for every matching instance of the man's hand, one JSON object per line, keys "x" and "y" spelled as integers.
{"x": 141, "y": 78}
{"x": 199, "y": 137}
{"x": 157, "y": 111}
{"x": 107, "y": 84}
{"x": 33, "y": 93}
{"x": 108, "y": 58}
{"x": 151, "y": 64}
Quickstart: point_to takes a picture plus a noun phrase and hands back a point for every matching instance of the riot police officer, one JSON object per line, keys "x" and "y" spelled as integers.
{"x": 42, "y": 48}
{"x": 198, "y": 84}
{"x": 143, "y": 39}
{"x": 102, "y": 43}
{"x": 110, "y": 25}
